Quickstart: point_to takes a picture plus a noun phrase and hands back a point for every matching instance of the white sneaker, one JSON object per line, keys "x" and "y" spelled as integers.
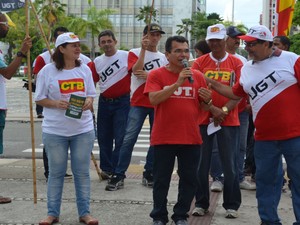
{"x": 199, "y": 211}
{"x": 216, "y": 186}
{"x": 246, "y": 185}
{"x": 231, "y": 214}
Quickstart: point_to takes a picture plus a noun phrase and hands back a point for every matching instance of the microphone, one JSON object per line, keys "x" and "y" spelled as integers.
{"x": 185, "y": 64}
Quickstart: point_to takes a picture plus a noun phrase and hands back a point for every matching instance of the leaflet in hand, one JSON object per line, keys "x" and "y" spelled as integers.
{"x": 75, "y": 106}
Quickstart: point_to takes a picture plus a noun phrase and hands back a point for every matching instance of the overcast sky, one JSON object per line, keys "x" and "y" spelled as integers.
{"x": 245, "y": 11}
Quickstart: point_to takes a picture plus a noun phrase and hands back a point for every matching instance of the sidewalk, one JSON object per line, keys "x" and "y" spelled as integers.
{"x": 129, "y": 206}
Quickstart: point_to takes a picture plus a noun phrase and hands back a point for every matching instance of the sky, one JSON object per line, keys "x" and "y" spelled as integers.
{"x": 245, "y": 11}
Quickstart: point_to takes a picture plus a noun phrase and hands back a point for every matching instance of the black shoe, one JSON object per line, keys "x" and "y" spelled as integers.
{"x": 147, "y": 179}
{"x": 116, "y": 182}
{"x": 40, "y": 116}
{"x": 158, "y": 222}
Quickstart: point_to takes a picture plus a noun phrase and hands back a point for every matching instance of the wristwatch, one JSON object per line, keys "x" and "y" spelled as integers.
{"x": 20, "y": 54}
{"x": 225, "y": 109}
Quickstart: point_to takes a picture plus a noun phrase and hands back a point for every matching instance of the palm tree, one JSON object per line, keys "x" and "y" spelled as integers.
{"x": 51, "y": 11}
{"x": 96, "y": 21}
{"x": 145, "y": 13}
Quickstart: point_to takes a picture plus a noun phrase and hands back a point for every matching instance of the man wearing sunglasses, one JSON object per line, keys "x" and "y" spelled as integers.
{"x": 272, "y": 82}
{"x": 6, "y": 72}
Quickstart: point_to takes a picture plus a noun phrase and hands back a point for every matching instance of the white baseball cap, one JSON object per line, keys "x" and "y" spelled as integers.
{"x": 217, "y": 31}
{"x": 68, "y": 37}
{"x": 258, "y": 32}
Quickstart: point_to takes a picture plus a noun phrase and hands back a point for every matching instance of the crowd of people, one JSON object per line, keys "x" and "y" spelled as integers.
{"x": 198, "y": 111}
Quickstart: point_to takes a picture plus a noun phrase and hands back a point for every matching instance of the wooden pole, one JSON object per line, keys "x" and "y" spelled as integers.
{"x": 30, "y": 107}
{"x": 40, "y": 27}
{"x": 150, "y": 16}
{"x": 96, "y": 166}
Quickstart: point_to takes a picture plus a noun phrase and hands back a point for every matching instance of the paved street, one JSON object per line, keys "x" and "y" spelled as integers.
{"x": 129, "y": 206}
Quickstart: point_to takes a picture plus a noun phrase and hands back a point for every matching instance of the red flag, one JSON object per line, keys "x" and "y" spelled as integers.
{"x": 285, "y": 10}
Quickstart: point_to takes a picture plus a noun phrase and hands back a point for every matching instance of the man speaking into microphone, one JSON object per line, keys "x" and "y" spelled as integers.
{"x": 175, "y": 130}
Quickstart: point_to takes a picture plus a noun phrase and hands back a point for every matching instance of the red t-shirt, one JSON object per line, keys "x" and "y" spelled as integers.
{"x": 225, "y": 71}
{"x": 176, "y": 119}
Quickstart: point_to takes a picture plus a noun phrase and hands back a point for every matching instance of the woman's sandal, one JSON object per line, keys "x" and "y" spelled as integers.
{"x": 49, "y": 220}
{"x": 89, "y": 220}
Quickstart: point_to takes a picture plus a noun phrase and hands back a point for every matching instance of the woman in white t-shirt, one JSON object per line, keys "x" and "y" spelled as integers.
{"x": 66, "y": 91}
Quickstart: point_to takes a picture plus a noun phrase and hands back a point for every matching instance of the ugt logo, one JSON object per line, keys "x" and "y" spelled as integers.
{"x": 262, "y": 85}
{"x": 110, "y": 70}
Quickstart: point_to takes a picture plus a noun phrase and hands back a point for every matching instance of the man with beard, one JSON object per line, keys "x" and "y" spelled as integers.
{"x": 271, "y": 80}
{"x": 6, "y": 72}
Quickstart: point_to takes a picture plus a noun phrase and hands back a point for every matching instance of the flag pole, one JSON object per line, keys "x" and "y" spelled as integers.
{"x": 150, "y": 16}
{"x": 40, "y": 27}
{"x": 30, "y": 107}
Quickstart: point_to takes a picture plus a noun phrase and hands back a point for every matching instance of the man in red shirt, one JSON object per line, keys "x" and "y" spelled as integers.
{"x": 175, "y": 130}
{"x": 224, "y": 68}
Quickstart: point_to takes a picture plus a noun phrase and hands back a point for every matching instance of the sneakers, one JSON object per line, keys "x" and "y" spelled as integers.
{"x": 116, "y": 182}
{"x": 198, "y": 211}
{"x": 246, "y": 185}
{"x": 158, "y": 222}
{"x": 231, "y": 214}
{"x": 147, "y": 179}
{"x": 105, "y": 175}
{"x": 216, "y": 186}
{"x": 182, "y": 222}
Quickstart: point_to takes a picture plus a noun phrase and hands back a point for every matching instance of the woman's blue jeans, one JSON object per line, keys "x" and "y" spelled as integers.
{"x": 269, "y": 177}
{"x": 57, "y": 147}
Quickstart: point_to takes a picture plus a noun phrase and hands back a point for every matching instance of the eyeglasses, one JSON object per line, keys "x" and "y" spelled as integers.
{"x": 4, "y": 23}
{"x": 180, "y": 51}
{"x": 250, "y": 44}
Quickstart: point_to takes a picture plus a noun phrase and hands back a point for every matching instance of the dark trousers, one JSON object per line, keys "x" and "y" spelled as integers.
{"x": 39, "y": 109}
{"x": 164, "y": 160}
{"x": 46, "y": 165}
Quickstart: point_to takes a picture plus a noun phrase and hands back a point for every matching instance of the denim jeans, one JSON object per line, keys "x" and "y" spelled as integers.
{"x": 39, "y": 109}
{"x": 2, "y": 125}
{"x": 136, "y": 118}
{"x": 80, "y": 146}
{"x": 216, "y": 166}
{"x": 164, "y": 159}
{"x": 111, "y": 124}
{"x": 244, "y": 124}
{"x": 216, "y": 171}
{"x": 228, "y": 139}
{"x": 269, "y": 176}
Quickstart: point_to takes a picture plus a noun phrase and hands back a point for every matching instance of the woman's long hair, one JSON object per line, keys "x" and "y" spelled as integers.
{"x": 58, "y": 58}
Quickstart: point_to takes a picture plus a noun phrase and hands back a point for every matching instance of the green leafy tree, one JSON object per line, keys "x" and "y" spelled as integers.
{"x": 185, "y": 27}
{"x": 296, "y": 15}
{"x": 96, "y": 21}
{"x": 295, "y": 43}
{"x": 145, "y": 13}
{"x": 50, "y": 12}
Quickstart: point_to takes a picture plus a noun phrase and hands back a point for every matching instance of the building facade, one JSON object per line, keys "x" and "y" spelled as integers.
{"x": 126, "y": 26}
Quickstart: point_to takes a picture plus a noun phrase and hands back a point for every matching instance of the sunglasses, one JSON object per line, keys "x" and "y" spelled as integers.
{"x": 4, "y": 23}
{"x": 250, "y": 44}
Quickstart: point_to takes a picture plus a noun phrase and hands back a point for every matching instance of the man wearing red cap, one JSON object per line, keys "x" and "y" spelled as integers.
{"x": 271, "y": 80}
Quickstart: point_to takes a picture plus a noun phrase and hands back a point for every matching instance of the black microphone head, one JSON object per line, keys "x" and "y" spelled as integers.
{"x": 185, "y": 63}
